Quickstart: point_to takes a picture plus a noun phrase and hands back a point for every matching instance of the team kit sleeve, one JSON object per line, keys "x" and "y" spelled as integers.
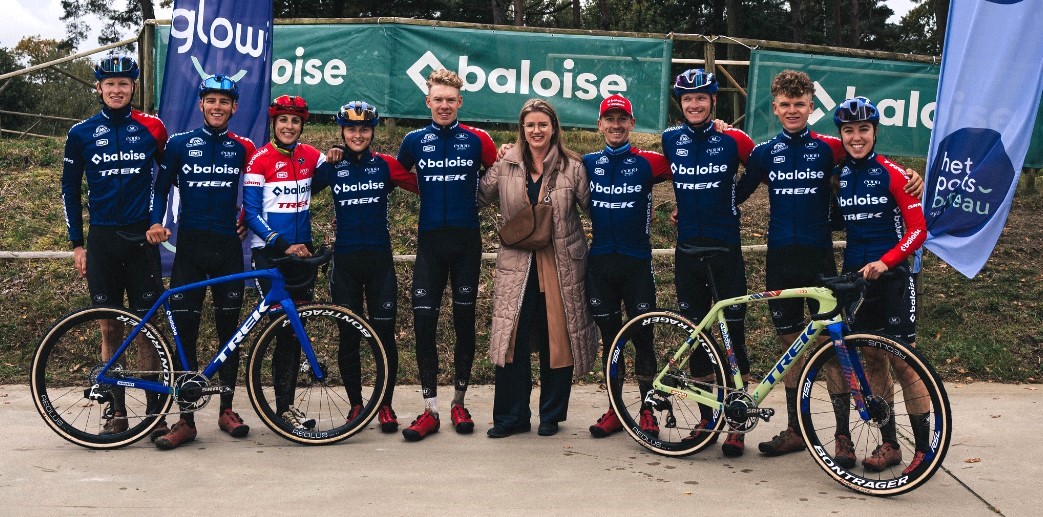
{"x": 488, "y": 148}
{"x": 751, "y": 179}
{"x": 72, "y": 185}
{"x": 323, "y": 177}
{"x": 165, "y": 178}
{"x": 743, "y": 144}
{"x": 253, "y": 198}
{"x": 400, "y": 176}
{"x": 405, "y": 153}
{"x": 912, "y": 215}
{"x": 660, "y": 166}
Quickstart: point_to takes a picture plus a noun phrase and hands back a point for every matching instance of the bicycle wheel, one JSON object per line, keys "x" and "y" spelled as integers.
{"x": 280, "y": 379}
{"x": 908, "y": 402}
{"x": 74, "y": 404}
{"x": 628, "y": 376}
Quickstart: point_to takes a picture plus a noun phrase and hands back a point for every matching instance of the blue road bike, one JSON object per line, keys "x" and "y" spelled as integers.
{"x": 334, "y": 392}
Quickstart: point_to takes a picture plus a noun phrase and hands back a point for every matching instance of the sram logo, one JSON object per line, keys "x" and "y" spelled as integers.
{"x": 522, "y": 80}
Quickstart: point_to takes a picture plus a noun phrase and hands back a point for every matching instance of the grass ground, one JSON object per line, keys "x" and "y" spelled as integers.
{"x": 988, "y": 328}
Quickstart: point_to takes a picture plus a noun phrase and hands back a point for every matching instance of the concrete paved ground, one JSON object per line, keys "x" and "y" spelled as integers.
{"x": 992, "y": 468}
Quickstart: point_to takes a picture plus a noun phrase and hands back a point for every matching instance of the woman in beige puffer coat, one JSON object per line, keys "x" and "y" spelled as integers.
{"x": 539, "y": 298}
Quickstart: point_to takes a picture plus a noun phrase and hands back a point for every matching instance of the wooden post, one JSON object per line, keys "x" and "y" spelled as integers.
{"x": 710, "y": 55}
{"x": 146, "y": 53}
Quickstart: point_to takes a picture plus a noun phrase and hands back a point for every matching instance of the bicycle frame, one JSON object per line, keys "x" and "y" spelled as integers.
{"x": 276, "y": 294}
{"x": 827, "y": 303}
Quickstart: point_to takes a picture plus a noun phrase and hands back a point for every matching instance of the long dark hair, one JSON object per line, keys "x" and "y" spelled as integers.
{"x": 542, "y": 106}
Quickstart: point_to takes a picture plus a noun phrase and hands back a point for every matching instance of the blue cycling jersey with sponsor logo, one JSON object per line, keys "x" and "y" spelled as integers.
{"x": 704, "y": 163}
{"x": 447, "y": 161}
{"x": 207, "y": 168}
{"x": 796, "y": 169}
{"x": 115, "y": 149}
{"x": 621, "y": 182}
{"x": 361, "y": 184}
{"x": 883, "y": 222}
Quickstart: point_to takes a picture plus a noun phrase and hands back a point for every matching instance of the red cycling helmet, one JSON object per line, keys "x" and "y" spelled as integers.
{"x": 289, "y": 105}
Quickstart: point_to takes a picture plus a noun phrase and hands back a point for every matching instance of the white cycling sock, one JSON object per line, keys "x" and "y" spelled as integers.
{"x": 431, "y": 404}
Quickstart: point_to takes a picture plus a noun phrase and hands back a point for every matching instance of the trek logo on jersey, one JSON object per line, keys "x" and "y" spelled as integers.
{"x": 115, "y": 157}
{"x": 210, "y": 184}
{"x": 612, "y": 206}
{"x": 681, "y": 170}
{"x": 428, "y": 138}
{"x": 863, "y": 200}
{"x": 614, "y": 189}
{"x": 802, "y": 191}
{"x": 195, "y": 153}
{"x": 118, "y": 172}
{"x": 358, "y": 187}
{"x": 681, "y": 152}
{"x": 862, "y": 216}
{"x": 195, "y": 142}
{"x": 602, "y": 161}
{"x": 428, "y": 149}
{"x": 209, "y": 169}
{"x": 806, "y": 174}
{"x": 446, "y": 177}
{"x": 451, "y": 162}
{"x": 779, "y": 147}
{"x": 697, "y": 186}
{"x": 291, "y": 191}
{"x": 100, "y": 130}
{"x": 684, "y": 140}
{"x": 102, "y": 143}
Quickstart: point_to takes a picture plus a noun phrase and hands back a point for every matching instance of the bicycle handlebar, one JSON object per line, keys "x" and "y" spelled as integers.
{"x": 321, "y": 256}
{"x": 845, "y": 287}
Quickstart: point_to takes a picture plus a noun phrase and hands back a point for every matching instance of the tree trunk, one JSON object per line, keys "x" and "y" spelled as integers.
{"x": 576, "y": 23}
{"x": 854, "y": 28}
{"x": 941, "y": 19}
{"x": 497, "y": 12}
{"x": 148, "y": 11}
{"x": 603, "y": 7}
{"x": 797, "y": 20}
{"x": 519, "y": 12}
{"x": 839, "y": 37}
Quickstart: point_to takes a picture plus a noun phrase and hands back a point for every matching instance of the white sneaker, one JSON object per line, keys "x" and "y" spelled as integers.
{"x": 298, "y": 419}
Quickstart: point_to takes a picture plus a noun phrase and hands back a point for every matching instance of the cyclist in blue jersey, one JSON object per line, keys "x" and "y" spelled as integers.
{"x": 276, "y": 202}
{"x": 619, "y": 264}
{"x": 448, "y": 157}
{"x": 885, "y": 226}
{"x": 115, "y": 149}
{"x": 796, "y": 166}
{"x": 207, "y": 165}
{"x": 363, "y": 270}
{"x": 705, "y": 166}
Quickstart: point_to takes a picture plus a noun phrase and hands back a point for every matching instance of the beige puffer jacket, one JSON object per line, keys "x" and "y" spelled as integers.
{"x": 505, "y": 182}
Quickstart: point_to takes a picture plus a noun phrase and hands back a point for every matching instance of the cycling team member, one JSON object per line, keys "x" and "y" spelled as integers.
{"x": 206, "y": 164}
{"x": 448, "y": 157}
{"x": 796, "y": 165}
{"x": 276, "y": 200}
{"x": 115, "y": 149}
{"x": 885, "y": 226}
{"x": 705, "y": 166}
{"x": 619, "y": 264}
{"x": 362, "y": 265}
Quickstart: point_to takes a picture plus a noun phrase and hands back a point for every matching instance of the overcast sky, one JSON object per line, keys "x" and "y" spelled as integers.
{"x": 42, "y": 18}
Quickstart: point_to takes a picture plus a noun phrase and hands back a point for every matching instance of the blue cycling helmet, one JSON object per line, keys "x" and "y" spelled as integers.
{"x": 358, "y": 113}
{"x": 856, "y": 109}
{"x": 695, "y": 80}
{"x": 116, "y": 65}
{"x": 219, "y": 83}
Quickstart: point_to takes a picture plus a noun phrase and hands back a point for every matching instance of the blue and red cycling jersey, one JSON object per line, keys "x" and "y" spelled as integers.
{"x": 704, "y": 163}
{"x": 361, "y": 185}
{"x": 797, "y": 170}
{"x": 207, "y": 168}
{"x": 448, "y": 161}
{"x": 277, "y": 194}
{"x": 621, "y": 181}
{"x": 883, "y": 222}
{"x": 115, "y": 149}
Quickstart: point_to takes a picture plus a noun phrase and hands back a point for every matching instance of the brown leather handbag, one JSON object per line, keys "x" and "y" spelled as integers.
{"x": 532, "y": 227}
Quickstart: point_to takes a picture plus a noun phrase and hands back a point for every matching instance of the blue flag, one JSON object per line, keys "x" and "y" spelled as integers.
{"x": 988, "y": 95}
{"x": 217, "y": 37}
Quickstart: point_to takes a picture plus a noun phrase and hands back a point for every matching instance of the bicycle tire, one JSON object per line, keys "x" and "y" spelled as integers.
{"x": 325, "y": 402}
{"x": 63, "y": 371}
{"x": 674, "y": 437}
{"x": 921, "y": 387}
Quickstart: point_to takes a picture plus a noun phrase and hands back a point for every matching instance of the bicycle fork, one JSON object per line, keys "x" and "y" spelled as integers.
{"x": 851, "y": 370}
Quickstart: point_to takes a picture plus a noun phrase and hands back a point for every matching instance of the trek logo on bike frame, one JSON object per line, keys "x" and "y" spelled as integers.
{"x": 244, "y": 329}
{"x": 791, "y": 354}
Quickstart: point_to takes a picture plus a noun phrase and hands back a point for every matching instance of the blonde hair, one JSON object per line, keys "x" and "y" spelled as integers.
{"x": 445, "y": 78}
{"x": 792, "y": 83}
